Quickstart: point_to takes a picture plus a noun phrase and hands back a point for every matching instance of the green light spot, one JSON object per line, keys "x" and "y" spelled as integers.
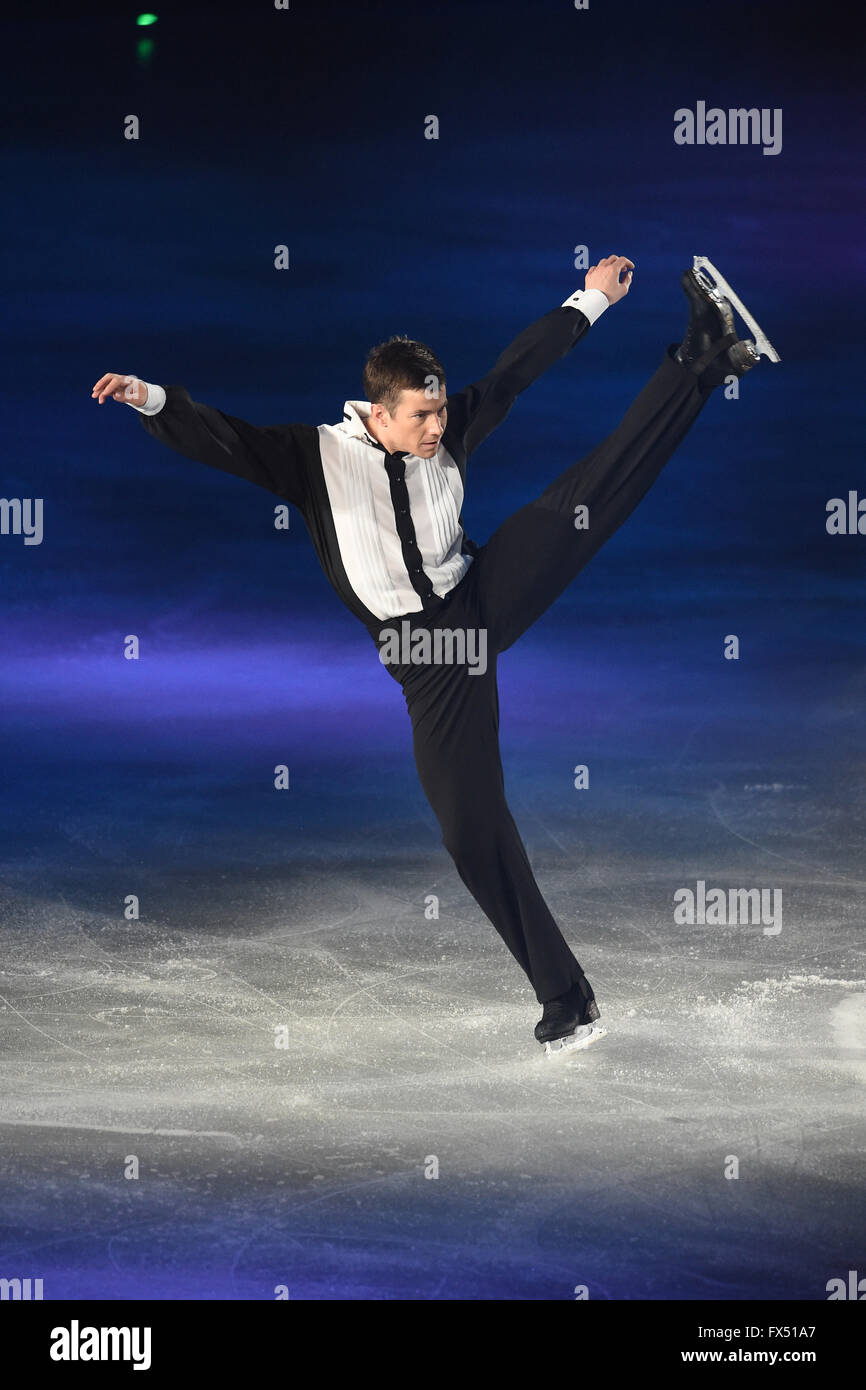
{"x": 144, "y": 19}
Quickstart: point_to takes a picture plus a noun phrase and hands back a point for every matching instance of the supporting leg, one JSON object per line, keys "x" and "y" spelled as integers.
{"x": 455, "y": 721}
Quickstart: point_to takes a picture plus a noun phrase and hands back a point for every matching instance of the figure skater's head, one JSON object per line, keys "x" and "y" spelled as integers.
{"x": 404, "y": 381}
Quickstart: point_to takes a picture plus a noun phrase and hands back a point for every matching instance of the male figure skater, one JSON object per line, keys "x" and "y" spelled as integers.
{"x": 381, "y": 494}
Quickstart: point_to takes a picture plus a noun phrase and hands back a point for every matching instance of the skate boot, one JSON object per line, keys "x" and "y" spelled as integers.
{"x": 711, "y": 348}
{"x": 569, "y": 1021}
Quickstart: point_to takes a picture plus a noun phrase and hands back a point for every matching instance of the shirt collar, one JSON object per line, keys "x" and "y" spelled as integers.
{"x": 354, "y": 423}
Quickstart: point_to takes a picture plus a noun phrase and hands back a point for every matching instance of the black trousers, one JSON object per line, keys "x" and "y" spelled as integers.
{"x": 513, "y": 579}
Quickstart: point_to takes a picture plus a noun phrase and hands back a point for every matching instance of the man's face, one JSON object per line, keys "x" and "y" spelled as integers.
{"x": 417, "y": 424}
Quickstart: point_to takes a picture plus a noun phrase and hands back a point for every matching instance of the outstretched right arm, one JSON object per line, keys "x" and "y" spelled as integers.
{"x": 270, "y": 456}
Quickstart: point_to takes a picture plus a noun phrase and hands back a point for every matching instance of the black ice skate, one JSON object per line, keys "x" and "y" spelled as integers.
{"x": 569, "y": 1022}
{"x": 711, "y": 347}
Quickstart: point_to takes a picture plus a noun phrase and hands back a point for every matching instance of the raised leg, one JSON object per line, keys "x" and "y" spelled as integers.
{"x": 534, "y": 555}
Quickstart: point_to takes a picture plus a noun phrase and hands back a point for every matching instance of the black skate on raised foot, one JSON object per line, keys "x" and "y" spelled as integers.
{"x": 711, "y": 348}
{"x": 568, "y": 1023}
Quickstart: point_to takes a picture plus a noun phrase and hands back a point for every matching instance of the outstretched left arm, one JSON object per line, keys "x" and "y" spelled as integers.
{"x": 474, "y": 412}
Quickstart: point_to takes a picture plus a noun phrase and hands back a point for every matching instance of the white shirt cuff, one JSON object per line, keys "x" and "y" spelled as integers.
{"x": 590, "y": 302}
{"x": 155, "y": 400}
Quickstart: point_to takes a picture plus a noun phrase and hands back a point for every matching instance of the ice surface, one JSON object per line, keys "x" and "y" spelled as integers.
{"x": 408, "y": 1038}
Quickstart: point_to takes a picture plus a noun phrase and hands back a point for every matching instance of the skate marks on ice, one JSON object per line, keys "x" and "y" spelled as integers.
{"x": 727, "y": 807}
{"x": 410, "y": 1037}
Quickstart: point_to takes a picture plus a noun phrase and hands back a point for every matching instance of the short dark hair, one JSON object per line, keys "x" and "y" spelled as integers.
{"x": 400, "y": 364}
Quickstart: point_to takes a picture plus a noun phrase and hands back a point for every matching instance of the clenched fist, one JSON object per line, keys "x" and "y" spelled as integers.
{"x": 605, "y": 277}
{"x": 120, "y": 388}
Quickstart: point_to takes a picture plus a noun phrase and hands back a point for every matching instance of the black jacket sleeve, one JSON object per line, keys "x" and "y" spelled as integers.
{"x": 476, "y": 410}
{"x": 272, "y": 456}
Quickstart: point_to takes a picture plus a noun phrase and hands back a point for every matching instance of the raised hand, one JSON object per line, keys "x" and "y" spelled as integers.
{"x": 119, "y": 387}
{"x": 605, "y": 277}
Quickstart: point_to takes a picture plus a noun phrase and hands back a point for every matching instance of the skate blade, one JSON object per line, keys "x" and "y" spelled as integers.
{"x": 582, "y": 1037}
{"x": 719, "y": 288}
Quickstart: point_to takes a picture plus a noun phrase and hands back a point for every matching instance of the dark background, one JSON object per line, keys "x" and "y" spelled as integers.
{"x": 305, "y": 127}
